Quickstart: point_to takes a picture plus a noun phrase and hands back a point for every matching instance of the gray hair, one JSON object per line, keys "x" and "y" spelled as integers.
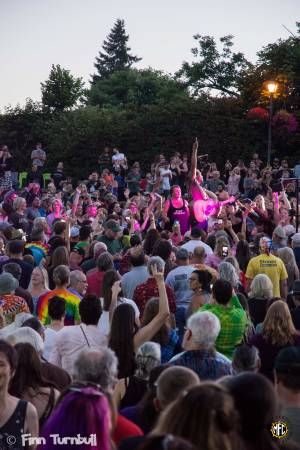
{"x": 105, "y": 262}
{"x": 18, "y": 202}
{"x": 156, "y": 261}
{"x": 287, "y": 255}
{"x": 227, "y": 272}
{"x": 234, "y": 262}
{"x": 97, "y": 366}
{"x": 245, "y": 358}
{"x": 261, "y": 287}
{"x": 205, "y": 328}
{"x": 75, "y": 277}
{"x": 29, "y": 336}
{"x": 147, "y": 357}
{"x": 39, "y": 222}
{"x": 98, "y": 246}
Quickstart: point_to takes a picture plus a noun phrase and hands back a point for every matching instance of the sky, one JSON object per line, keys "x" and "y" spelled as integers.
{"x": 35, "y": 34}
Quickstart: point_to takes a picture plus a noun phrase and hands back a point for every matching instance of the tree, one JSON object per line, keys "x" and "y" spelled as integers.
{"x": 221, "y": 71}
{"x": 280, "y": 62}
{"x": 116, "y": 55}
{"x": 62, "y": 90}
{"x": 136, "y": 88}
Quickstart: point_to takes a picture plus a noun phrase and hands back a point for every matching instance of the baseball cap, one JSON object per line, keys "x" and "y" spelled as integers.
{"x": 112, "y": 225}
{"x": 74, "y": 232}
{"x": 288, "y": 360}
{"x": 289, "y": 229}
{"x": 279, "y": 231}
{"x": 296, "y": 238}
{"x": 78, "y": 250}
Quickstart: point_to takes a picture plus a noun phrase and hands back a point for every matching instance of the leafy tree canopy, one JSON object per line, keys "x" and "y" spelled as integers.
{"x": 116, "y": 54}
{"x": 62, "y": 90}
{"x": 136, "y": 88}
{"x": 222, "y": 71}
{"x": 279, "y": 61}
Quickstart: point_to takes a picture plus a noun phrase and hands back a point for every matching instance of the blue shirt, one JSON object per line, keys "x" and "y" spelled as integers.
{"x": 207, "y": 364}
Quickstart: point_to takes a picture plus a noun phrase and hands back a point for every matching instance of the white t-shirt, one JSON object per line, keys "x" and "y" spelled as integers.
{"x": 118, "y": 158}
{"x": 193, "y": 243}
{"x": 165, "y": 178}
{"x": 49, "y": 341}
{"x": 104, "y": 324}
{"x": 71, "y": 341}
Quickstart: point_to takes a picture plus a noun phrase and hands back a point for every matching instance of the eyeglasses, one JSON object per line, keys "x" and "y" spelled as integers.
{"x": 82, "y": 281}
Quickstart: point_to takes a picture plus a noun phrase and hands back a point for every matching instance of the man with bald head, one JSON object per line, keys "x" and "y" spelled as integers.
{"x": 198, "y": 261}
{"x": 78, "y": 283}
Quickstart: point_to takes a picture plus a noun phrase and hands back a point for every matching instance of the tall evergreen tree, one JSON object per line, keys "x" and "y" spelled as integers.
{"x": 116, "y": 55}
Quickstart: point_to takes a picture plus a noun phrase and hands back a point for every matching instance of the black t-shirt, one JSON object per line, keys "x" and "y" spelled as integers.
{"x": 257, "y": 309}
{"x": 19, "y": 221}
{"x": 58, "y": 176}
{"x": 35, "y": 177}
{"x": 295, "y": 313}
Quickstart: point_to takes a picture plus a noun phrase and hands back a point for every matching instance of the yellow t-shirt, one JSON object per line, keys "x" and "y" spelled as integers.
{"x": 271, "y": 266}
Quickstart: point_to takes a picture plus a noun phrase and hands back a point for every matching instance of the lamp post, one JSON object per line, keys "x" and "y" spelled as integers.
{"x": 272, "y": 88}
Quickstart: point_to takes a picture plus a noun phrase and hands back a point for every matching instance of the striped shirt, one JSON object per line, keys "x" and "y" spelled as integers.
{"x": 234, "y": 322}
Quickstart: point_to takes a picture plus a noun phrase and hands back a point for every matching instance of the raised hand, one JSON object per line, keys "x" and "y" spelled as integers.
{"x": 195, "y": 145}
{"x": 159, "y": 276}
{"x": 116, "y": 288}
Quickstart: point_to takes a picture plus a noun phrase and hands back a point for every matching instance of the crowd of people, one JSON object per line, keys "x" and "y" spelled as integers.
{"x": 150, "y": 310}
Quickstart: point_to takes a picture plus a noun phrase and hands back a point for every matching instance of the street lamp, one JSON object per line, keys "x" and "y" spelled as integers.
{"x": 272, "y": 88}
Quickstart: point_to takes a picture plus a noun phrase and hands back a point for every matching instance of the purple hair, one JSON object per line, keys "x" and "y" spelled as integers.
{"x": 84, "y": 411}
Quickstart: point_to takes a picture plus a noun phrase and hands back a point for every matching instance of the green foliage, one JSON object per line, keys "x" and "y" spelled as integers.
{"x": 221, "y": 71}
{"x": 135, "y": 88}
{"x": 279, "y": 61}
{"x": 116, "y": 54}
{"x": 62, "y": 90}
{"x": 146, "y": 112}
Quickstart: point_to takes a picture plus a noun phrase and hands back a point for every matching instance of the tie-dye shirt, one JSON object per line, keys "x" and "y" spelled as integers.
{"x": 72, "y": 306}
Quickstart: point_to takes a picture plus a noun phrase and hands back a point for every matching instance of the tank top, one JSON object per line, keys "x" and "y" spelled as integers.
{"x": 12, "y": 430}
{"x": 181, "y": 215}
{"x": 135, "y": 389}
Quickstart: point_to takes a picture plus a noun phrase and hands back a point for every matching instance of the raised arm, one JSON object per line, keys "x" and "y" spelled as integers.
{"x": 147, "y": 332}
{"x": 75, "y": 201}
{"x": 194, "y": 159}
{"x": 228, "y": 227}
{"x": 210, "y": 194}
{"x": 165, "y": 211}
{"x": 115, "y": 290}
